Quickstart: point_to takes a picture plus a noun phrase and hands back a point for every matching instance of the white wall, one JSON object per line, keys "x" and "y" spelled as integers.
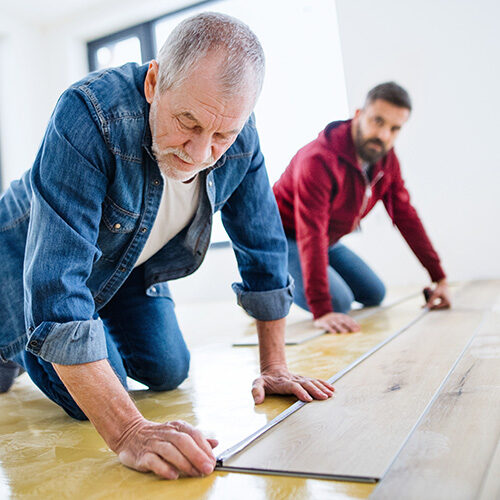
{"x": 22, "y": 95}
{"x": 446, "y": 53}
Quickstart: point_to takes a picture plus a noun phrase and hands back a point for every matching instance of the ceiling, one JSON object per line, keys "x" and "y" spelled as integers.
{"x": 50, "y": 11}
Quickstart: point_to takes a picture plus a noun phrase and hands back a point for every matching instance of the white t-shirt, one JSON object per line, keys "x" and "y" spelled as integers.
{"x": 178, "y": 205}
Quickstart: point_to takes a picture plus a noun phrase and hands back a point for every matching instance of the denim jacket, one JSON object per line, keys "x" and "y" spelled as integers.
{"x": 73, "y": 226}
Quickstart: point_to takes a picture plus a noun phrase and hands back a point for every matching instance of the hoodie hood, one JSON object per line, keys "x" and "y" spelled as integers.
{"x": 339, "y": 143}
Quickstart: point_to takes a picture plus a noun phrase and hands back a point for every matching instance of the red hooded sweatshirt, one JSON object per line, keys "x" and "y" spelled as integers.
{"x": 323, "y": 194}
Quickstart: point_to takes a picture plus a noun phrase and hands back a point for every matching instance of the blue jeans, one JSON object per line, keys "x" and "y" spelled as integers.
{"x": 349, "y": 277}
{"x": 143, "y": 340}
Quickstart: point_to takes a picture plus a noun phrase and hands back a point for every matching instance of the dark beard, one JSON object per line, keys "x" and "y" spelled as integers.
{"x": 363, "y": 150}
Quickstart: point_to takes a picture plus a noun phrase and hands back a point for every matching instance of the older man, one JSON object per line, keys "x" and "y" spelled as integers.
{"x": 329, "y": 186}
{"x": 118, "y": 202}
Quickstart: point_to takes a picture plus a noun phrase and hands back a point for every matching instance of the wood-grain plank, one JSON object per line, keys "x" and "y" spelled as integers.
{"x": 358, "y": 432}
{"x": 300, "y": 327}
{"x": 482, "y": 295}
{"x": 490, "y": 488}
{"x": 454, "y": 451}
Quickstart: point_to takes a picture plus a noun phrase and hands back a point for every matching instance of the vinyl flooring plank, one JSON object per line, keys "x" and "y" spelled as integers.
{"x": 454, "y": 452}
{"x": 357, "y": 433}
{"x": 481, "y": 294}
{"x": 490, "y": 489}
{"x": 300, "y": 329}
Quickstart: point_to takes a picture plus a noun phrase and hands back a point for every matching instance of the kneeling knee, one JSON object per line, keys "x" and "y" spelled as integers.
{"x": 342, "y": 303}
{"x": 170, "y": 375}
{"x": 75, "y": 413}
{"x": 376, "y": 297}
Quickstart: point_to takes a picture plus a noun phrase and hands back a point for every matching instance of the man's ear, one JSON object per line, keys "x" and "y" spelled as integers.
{"x": 151, "y": 81}
{"x": 356, "y": 116}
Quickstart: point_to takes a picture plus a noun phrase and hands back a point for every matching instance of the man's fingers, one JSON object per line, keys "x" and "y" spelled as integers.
{"x": 441, "y": 305}
{"x": 196, "y": 456}
{"x": 313, "y": 390}
{"x": 198, "y": 437}
{"x": 344, "y": 325}
{"x": 327, "y": 326}
{"x": 152, "y": 462}
{"x": 354, "y": 326}
{"x": 304, "y": 388}
{"x": 324, "y": 386}
{"x": 258, "y": 391}
{"x": 342, "y": 328}
{"x": 437, "y": 301}
{"x": 335, "y": 326}
{"x": 350, "y": 324}
{"x": 297, "y": 390}
{"x": 170, "y": 454}
{"x": 213, "y": 442}
{"x": 337, "y": 323}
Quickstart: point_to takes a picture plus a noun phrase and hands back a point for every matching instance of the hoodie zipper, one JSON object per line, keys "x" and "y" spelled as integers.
{"x": 366, "y": 196}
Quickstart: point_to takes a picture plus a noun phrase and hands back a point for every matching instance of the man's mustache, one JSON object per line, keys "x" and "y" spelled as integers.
{"x": 162, "y": 154}
{"x": 375, "y": 141}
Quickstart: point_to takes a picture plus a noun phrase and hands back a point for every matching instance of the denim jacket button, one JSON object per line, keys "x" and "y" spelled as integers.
{"x": 210, "y": 183}
{"x": 33, "y": 343}
{"x": 123, "y": 269}
{"x": 156, "y": 182}
{"x": 117, "y": 225}
{"x": 153, "y": 289}
{"x": 144, "y": 229}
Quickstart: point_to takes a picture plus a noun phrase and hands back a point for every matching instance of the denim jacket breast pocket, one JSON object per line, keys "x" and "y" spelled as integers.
{"x": 116, "y": 229}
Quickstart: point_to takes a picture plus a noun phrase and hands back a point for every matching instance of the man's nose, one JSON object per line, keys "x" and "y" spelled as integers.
{"x": 384, "y": 134}
{"x": 199, "y": 149}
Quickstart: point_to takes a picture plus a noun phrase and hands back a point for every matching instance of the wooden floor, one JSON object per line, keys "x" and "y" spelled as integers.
{"x": 357, "y": 433}
{"x": 45, "y": 454}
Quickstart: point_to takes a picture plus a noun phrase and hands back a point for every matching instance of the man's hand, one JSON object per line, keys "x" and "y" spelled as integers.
{"x": 170, "y": 450}
{"x": 275, "y": 377}
{"x": 439, "y": 298}
{"x": 281, "y": 381}
{"x": 337, "y": 323}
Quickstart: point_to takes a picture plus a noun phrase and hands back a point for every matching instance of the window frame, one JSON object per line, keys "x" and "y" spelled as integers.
{"x": 145, "y": 32}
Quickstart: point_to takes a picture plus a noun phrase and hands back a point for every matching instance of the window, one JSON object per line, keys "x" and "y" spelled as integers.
{"x": 139, "y": 43}
{"x": 119, "y": 53}
{"x": 131, "y": 45}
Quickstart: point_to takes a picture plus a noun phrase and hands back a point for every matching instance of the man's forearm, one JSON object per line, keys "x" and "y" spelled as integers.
{"x": 100, "y": 395}
{"x": 271, "y": 343}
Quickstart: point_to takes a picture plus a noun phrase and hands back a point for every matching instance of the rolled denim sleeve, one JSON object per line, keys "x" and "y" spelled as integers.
{"x": 267, "y": 305}
{"x": 69, "y": 182}
{"x": 69, "y": 343}
{"x": 252, "y": 221}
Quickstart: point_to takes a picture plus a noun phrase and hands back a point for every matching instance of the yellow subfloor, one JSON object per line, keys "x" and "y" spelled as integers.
{"x": 45, "y": 454}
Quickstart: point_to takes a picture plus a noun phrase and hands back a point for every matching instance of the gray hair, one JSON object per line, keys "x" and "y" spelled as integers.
{"x": 196, "y": 36}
